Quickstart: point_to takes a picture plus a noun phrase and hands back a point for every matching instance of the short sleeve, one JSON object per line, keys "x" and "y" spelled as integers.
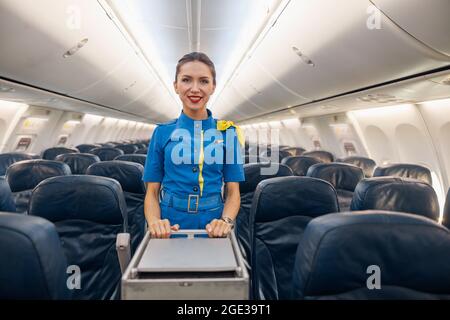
{"x": 154, "y": 165}
{"x": 233, "y": 169}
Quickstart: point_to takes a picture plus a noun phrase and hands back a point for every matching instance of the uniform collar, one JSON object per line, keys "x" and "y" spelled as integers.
{"x": 185, "y": 122}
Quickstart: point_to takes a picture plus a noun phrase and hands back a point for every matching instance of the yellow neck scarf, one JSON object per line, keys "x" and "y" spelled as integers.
{"x": 223, "y": 125}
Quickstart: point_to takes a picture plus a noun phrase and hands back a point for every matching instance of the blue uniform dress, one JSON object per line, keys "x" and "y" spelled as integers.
{"x": 192, "y": 160}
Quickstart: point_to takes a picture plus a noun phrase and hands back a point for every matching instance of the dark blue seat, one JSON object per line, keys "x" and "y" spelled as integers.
{"x": 106, "y": 153}
{"x": 7, "y": 159}
{"x": 137, "y": 158}
{"x": 88, "y": 213}
{"x": 247, "y": 188}
{"x": 6, "y": 197}
{"x": 129, "y": 175}
{"x": 23, "y": 176}
{"x": 78, "y": 162}
{"x": 281, "y": 209}
{"x": 52, "y": 153}
{"x": 367, "y": 164}
{"x": 142, "y": 151}
{"x": 396, "y": 194}
{"x": 344, "y": 178}
{"x": 85, "y": 148}
{"x": 340, "y": 254}
{"x": 294, "y": 151}
{"x": 322, "y": 155}
{"x": 127, "y": 148}
{"x": 300, "y": 164}
{"x": 404, "y": 170}
{"x": 33, "y": 265}
{"x": 446, "y": 216}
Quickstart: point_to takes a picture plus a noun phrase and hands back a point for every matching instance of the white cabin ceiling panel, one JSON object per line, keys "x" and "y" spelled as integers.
{"x": 428, "y": 21}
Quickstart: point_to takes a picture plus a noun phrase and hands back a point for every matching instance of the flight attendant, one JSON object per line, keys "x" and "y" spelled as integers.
{"x": 192, "y": 157}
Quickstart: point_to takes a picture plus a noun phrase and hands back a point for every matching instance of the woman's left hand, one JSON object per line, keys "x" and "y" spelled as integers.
{"x": 218, "y": 228}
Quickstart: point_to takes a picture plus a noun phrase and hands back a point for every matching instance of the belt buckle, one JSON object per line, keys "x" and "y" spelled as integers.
{"x": 196, "y": 203}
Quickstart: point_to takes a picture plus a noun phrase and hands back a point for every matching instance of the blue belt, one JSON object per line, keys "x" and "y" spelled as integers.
{"x": 192, "y": 202}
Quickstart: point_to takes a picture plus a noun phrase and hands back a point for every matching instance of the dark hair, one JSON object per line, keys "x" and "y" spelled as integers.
{"x": 196, "y": 56}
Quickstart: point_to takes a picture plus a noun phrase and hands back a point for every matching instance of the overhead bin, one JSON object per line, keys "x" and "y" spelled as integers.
{"x": 189, "y": 268}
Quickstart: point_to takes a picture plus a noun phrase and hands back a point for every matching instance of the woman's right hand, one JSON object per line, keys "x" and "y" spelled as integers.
{"x": 161, "y": 228}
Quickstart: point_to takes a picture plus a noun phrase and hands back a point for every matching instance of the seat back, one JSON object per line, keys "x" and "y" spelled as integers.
{"x": 137, "y": 158}
{"x": 344, "y": 178}
{"x": 300, "y": 164}
{"x": 368, "y": 165}
{"x": 127, "y": 148}
{"x": 7, "y": 159}
{"x": 396, "y": 194}
{"x": 88, "y": 213}
{"x": 281, "y": 209}
{"x": 322, "y": 155}
{"x": 294, "y": 151}
{"x": 33, "y": 265}
{"x": 85, "y": 148}
{"x": 129, "y": 175}
{"x": 247, "y": 188}
{"x": 372, "y": 255}
{"x": 24, "y": 175}
{"x": 6, "y": 197}
{"x": 78, "y": 162}
{"x": 142, "y": 151}
{"x": 52, "y": 153}
{"x": 107, "y": 153}
{"x": 404, "y": 170}
{"x": 446, "y": 216}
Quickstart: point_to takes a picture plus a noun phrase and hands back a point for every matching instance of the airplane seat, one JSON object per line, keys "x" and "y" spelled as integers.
{"x": 300, "y": 164}
{"x": 372, "y": 255}
{"x": 107, "y": 145}
{"x": 137, "y": 158}
{"x": 7, "y": 159}
{"x": 142, "y": 151}
{"x": 405, "y": 170}
{"x": 253, "y": 176}
{"x": 294, "y": 151}
{"x": 85, "y": 148}
{"x": 6, "y": 197}
{"x": 446, "y": 216}
{"x": 78, "y": 162}
{"x": 24, "y": 175}
{"x": 127, "y": 148}
{"x": 322, "y": 155}
{"x": 106, "y": 153}
{"x": 52, "y": 153}
{"x": 344, "y": 178}
{"x": 33, "y": 263}
{"x": 396, "y": 194}
{"x": 88, "y": 213}
{"x": 281, "y": 210}
{"x": 129, "y": 175}
{"x": 368, "y": 165}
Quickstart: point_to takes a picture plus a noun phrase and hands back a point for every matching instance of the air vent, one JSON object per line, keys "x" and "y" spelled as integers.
{"x": 304, "y": 58}
{"x": 74, "y": 49}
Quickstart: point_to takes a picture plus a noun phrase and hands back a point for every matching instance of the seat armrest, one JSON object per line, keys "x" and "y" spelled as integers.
{"x": 123, "y": 248}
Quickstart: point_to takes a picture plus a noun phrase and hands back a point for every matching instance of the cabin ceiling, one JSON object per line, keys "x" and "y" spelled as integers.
{"x": 270, "y": 56}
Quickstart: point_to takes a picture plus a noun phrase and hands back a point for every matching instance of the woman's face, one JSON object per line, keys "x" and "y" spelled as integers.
{"x": 194, "y": 85}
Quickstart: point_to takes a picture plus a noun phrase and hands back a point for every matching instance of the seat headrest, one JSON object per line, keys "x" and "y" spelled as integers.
{"x": 138, "y": 158}
{"x": 367, "y": 164}
{"x": 33, "y": 262}
{"x": 7, "y": 159}
{"x": 6, "y": 198}
{"x": 282, "y": 197}
{"x": 322, "y": 155}
{"x": 78, "y": 162}
{"x": 446, "y": 216}
{"x": 84, "y": 148}
{"x": 396, "y": 194}
{"x": 336, "y": 250}
{"x": 79, "y": 197}
{"x": 129, "y": 174}
{"x": 127, "y": 148}
{"x": 142, "y": 151}
{"x": 106, "y": 153}
{"x": 25, "y": 175}
{"x": 300, "y": 164}
{"x": 404, "y": 170}
{"x": 294, "y": 151}
{"x": 52, "y": 153}
{"x": 341, "y": 175}
{"x": 253, "y": 175}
